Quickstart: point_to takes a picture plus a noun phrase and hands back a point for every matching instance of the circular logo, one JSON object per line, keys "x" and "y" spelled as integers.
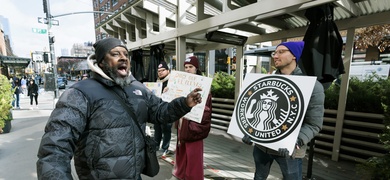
{"x": 269, "y": 109}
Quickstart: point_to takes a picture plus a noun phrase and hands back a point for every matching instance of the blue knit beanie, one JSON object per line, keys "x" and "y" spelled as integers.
{"x": 295, "y": 47}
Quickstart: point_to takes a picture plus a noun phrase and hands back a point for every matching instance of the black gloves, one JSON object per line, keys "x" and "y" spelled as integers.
{"x": 283, "y": 152}
{"x": 299, "y": 143}
{"x": 247, "y": 140}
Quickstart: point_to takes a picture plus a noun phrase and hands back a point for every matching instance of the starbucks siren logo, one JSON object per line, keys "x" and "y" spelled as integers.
{"x": 269, "y": 109}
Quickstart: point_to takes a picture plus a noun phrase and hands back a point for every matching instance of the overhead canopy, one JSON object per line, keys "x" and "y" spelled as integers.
{"x": 144, "y": 23}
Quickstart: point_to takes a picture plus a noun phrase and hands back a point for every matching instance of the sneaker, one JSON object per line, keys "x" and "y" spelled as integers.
{"x": 31, "y": 108}
{"x": 159, "y": 153}
{"x": 167, "y": 152}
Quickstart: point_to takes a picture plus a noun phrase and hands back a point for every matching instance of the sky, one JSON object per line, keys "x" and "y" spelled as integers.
{"x": 23, "y": 15}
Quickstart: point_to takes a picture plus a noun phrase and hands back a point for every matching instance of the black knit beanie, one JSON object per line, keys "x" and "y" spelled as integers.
{"x": 102, "y": 47}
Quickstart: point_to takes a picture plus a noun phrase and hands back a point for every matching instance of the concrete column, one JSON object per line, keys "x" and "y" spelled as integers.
{"x": 343, "y": 94}
{"x": 180, "y": 53}
{"x": 162, "y": 19}
{"x": 211, "y": 62}
{"x": 181, "y": 13}
{"x": 239, "y": 70}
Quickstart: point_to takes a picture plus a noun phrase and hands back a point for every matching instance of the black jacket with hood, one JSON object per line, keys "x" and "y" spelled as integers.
{"x": 90, "y": 125}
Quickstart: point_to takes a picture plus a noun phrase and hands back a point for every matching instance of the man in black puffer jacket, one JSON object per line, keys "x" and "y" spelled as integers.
{"x": 90, "y": 124}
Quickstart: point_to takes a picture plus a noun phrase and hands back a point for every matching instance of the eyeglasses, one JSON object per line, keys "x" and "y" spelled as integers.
{"x": 278, "y": 52}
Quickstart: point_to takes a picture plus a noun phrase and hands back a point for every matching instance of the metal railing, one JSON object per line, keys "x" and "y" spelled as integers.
{"x": 360, "y": 134}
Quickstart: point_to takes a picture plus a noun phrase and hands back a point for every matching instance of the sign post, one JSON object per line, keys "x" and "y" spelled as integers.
{"x": 53, "y": 60}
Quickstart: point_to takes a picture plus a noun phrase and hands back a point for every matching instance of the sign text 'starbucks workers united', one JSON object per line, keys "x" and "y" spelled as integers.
{"x": 271, "y": 108}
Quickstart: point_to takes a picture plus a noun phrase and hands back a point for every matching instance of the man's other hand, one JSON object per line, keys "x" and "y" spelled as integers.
{"x": 247, "y": 140}
{"x": 283, "y": 152}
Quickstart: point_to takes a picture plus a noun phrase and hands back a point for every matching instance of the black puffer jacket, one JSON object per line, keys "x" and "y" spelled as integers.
{"x": 89, "y": 124}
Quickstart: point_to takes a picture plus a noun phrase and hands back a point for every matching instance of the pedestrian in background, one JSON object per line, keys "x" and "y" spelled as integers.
{"x": 90, "y": 124}
{"x": 285, "y": 57}
{"x": 33, "y": 93}
{"x": 190, "y": 135}
{"x": 23, "y": 83}
{"x": 17, "y": 91}
{"x": 163, "y": 130}
{"x": 85, "y": 76}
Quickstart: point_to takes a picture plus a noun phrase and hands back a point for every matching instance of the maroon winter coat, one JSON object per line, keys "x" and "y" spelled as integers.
{"x": 189, "y": 148}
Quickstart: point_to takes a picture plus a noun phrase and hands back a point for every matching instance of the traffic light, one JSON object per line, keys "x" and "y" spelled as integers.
{"x": 45, "y": 57}
{"x": 44, "y": 6}
{"x": 52, "y": 39}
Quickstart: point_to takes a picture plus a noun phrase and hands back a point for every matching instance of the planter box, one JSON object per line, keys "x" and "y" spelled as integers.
{"x": 7, "y": 127}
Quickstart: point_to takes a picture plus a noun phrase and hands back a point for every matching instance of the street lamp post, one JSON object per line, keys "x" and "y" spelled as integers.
{"x": 46, "y": 9}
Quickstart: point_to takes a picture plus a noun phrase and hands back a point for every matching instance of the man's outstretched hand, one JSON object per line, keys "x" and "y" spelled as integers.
{"x": 194, "y": 98}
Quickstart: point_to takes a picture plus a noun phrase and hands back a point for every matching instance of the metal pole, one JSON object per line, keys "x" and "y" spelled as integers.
{"x": 51, "y": 45}
{"x": 310, "y": 161}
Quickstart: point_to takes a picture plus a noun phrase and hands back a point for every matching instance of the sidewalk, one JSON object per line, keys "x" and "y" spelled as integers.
{"x": 45, "y": 101}
{"x": 225, "y": 156}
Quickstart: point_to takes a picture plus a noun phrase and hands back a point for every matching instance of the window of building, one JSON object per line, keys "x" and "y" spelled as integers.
{"x": 221, "y": 60}
{"x": 114, "y": 2}
{"x": 202, "y": 61}
{"x": 101, "y": 9}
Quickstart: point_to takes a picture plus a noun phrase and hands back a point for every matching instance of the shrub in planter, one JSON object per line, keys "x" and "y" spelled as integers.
{"x": 363, "y": 95}
{"x": 379, "y": 167}
{"x": 223, "y": 85}
{"x": 6, "y": 95}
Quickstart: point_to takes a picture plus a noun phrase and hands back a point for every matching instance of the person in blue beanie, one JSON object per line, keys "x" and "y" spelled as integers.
{"x": 285, "y": 57}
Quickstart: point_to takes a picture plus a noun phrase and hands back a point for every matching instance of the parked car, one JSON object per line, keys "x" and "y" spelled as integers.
{"x": 65, "y": 80}
{"x": 60, "y": 83}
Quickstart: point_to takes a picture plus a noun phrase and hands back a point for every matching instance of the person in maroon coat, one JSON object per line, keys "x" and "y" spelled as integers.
{"x": 189, "y": 146}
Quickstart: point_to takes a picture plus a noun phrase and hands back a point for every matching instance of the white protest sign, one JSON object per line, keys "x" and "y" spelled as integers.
{"x": 271, "y": 109}
{"x": 181, "y": 84}
{"x": 155, "y": 87}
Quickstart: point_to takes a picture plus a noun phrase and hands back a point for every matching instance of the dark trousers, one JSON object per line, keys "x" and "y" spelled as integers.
{"x": 291, "y": 168}
{"x": 17, "y": 99}
{"x": 34, "y": 97}
{"x": 163, "y": 131}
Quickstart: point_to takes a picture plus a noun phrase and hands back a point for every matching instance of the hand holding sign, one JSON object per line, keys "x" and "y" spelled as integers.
{"x": 194, "y": 97}
{"x": 183, "y": 84}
